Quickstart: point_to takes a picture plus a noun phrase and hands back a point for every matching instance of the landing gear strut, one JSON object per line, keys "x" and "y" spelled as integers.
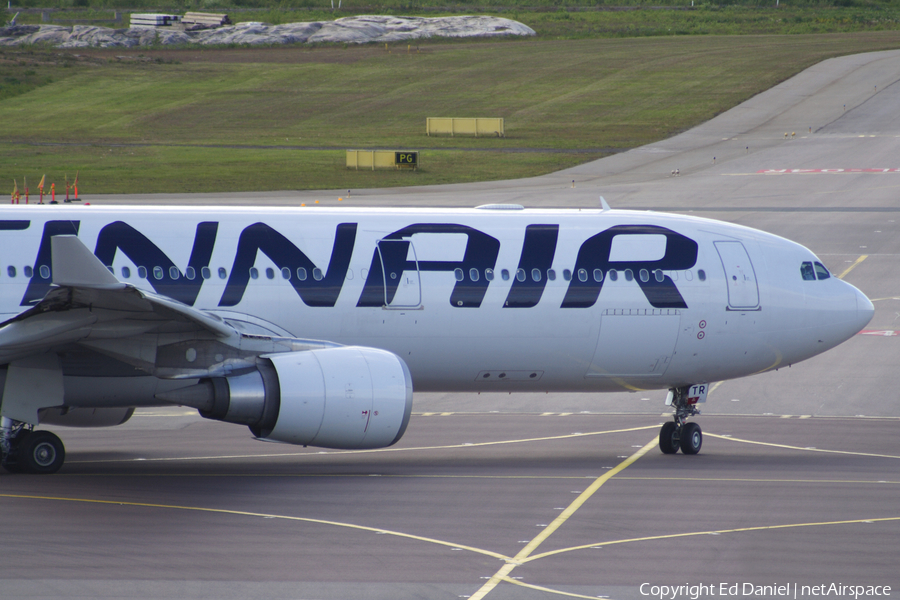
{"x": 24, "y": 450}
{"x": 679, "y": 433}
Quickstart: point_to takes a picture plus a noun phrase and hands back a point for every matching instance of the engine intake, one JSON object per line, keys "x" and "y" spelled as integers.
{"x": 348, "y": 398}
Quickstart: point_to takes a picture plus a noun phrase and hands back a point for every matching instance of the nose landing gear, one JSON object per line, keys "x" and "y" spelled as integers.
{"x": 679, "y": 433}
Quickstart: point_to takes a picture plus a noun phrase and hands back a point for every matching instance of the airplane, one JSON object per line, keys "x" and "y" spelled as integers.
{"x": 313, "y": 325}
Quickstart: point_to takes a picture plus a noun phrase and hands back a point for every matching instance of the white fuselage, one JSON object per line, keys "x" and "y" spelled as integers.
{"x": 471, "y": 300}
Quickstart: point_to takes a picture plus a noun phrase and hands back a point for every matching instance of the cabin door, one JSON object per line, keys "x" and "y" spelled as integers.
{"x": 743, "y": 292}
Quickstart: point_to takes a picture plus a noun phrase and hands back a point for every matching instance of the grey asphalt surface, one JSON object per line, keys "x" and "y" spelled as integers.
{"x": 534, "y": 496}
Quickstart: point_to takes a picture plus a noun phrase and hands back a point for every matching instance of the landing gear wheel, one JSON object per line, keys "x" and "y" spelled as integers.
{"x": 42, "y": 453}
{"x": 691, "y": 438}
{"x": 668, "y": 438}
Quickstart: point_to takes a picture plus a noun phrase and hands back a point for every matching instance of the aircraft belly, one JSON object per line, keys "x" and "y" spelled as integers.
{"x": 487, "y": 362}
{"x": 715, "y": 344}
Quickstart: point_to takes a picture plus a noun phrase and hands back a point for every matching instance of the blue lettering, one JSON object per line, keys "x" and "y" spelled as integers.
{"x": 537, "y": 256}
{"x": 11, "y": 225}
{"x": 313, "y": 291}
{"x": 481, "y": 253}
{"x": 166, "y": 279}
{"x": 661, "y": 292}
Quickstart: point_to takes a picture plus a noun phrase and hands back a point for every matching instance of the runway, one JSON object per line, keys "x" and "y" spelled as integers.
{"x": 549, "y": 495}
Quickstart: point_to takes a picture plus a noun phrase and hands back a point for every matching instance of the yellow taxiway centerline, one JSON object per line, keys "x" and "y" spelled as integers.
{"x": 711, "y": 532}
{"x": 522, "y": 556}
{"x": 223, "y": 511}
{"x": 853, "y": 266}
{"x": 847, "y": 452}
{"x": 546, "y": 589}
{"x": 373, "y": 451}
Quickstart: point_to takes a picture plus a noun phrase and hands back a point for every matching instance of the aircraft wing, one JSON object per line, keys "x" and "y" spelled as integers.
{"x": 91, "y": 308}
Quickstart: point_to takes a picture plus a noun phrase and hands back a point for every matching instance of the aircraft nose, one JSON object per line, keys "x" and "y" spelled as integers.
{"x": 865, "y": 310}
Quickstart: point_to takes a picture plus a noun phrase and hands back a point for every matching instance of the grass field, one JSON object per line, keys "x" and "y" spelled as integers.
{"x": 281, "y": 118}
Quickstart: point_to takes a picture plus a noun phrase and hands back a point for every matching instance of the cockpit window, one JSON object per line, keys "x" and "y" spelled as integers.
{"x": 821, "y": 272}
{"x": 806, "y": 270}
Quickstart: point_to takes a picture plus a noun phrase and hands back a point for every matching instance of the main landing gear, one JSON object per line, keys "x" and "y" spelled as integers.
{"x": 24, "y": 450}
{"x": 679, "y": 433}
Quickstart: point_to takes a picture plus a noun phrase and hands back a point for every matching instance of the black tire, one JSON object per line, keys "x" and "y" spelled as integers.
{"x": 691, "y": 438}
{"x": 668, "y": 438}
{"x": 41, "y": 453}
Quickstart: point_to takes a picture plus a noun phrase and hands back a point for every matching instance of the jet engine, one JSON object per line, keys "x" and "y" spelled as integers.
{"x": 348, "y": 397}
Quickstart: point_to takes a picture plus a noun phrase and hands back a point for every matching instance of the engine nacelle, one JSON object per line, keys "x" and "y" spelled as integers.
{"x": 348, "y": 398}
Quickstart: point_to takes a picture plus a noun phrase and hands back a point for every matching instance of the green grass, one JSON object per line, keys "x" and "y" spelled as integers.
{"x": 557, "y": 97}
{"x": 186, "y": 170}
{"x": 709, "y": 20}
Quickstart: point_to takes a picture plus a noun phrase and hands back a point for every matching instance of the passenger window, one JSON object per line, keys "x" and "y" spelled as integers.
{"x": 301, "y": 273}
{"x": 223, "y": 274}
{"x": 142, "y": 272}
{"x": 270, "y": 273}
{"x": 644, "y": 274}
{"x": 658, "y": 275}
{"x": 701, "y": 274}
{"x": 473, "y": 274}
{"x": 567, "y": 274}
{"x": 157, "y": 273}
{"x": 551, "y": 274}
{"x": 317, "y": 274}
{"x": 489, "y": 274}
{"x": 28, "y": 271}
{"x": 689, "y": 275}
{"x": 349, "y": 274}
{"x": 45, "y": 272}
{"x": 126, "y": 272}
{"x": 520, "y": 274}
{"x": 458, "y": 273}
{"x": 536, "y": 274}
{"x": 504, "y": 274}
{"x": 174, "y": 273}
{"x": 190, "y": 273}
{"x": 285, "y": 273}
{"x": 254, "y": 273}
{"x": 629, "y": 276}
{"x": 11, "y": 271}
{"x": 205, "y": 273}
{"x": 598, "y": 275}
{"x": 582, "y": 275}
{"x": 613, "y": 275}
{"x": 806, "y": 271}
{"x": 821, "y": 272}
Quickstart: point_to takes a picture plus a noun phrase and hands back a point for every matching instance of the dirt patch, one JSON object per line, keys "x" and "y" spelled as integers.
{"x": 324, "y": 53}
{"x": 41, "y": 58}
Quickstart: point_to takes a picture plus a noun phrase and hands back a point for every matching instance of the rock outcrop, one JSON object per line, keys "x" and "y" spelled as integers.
{"x": 350, "y": 30}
